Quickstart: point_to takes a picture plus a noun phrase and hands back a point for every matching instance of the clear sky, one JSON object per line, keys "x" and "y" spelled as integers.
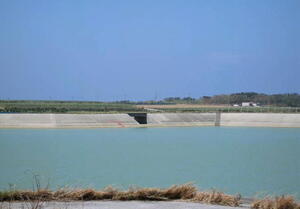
{"x": 147, "y": 49}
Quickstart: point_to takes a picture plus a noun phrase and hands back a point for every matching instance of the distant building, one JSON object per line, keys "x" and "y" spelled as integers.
{"x": 249, "y": 104}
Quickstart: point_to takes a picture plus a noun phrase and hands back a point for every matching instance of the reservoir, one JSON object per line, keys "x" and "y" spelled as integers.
{"x": 249, "y": 161}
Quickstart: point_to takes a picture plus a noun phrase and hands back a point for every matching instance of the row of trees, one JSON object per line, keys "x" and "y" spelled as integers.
{"x": 284, "y": 100}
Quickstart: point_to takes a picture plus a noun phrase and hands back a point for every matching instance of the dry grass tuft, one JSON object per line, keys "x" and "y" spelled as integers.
{"x": 283, "y": 202}
{"x": 89, "y": 194}
{"x": 217, "y": 198}
{"x": 26, "y": 195}
{"x": 184, "y": 192}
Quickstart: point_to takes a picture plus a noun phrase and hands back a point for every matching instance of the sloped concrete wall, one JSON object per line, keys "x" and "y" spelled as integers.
{"x": 65, "y": 120}
{"x": 154, "y": 119}
{"x": 27, "y": 120}
{"x": 261, "y": 119}
{"x": 181, "y": 119}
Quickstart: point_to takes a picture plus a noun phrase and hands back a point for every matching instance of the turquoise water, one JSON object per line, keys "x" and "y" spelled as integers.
{"x": 249, "y": 161}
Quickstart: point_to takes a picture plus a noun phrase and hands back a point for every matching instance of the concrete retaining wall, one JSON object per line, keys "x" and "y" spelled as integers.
{"x": 181, "y": 119}
{"x": 65, "y": 120}
{"x": 153, "y": 119}
{"x": 260, "y": 119}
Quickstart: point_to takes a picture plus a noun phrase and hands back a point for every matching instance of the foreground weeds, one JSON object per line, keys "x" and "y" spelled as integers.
{"x": 187, "y": 192}
{"x": 283, "y": 202}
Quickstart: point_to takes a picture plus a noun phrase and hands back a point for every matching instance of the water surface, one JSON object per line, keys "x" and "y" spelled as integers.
{"x": 249, "y": 161}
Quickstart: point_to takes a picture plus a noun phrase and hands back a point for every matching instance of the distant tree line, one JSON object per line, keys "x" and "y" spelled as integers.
{"x": 284, "y": 100}
{"x": 27, "y": 106}
{"x": 280, "y": 100}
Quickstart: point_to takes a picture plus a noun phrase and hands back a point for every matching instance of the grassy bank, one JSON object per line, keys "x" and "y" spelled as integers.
{"x": 30, "y": 106}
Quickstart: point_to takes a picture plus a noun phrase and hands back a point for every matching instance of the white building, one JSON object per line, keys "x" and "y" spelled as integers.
{"x": 249, "y": 104}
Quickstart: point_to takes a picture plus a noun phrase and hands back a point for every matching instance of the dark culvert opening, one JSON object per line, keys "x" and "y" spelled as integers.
{"x": 141, "y": 118}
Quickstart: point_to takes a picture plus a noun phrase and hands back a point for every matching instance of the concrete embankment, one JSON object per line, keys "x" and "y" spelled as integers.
{"x": 181, "y": 119}
{"x": 260, "y": 119}
{"x": 151, "y": 119}
{"x": 66, "y": 120}
{"x": 225, "y": 119}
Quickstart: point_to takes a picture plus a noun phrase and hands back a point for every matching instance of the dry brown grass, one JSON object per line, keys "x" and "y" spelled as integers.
{"x": 218, "y": 198}
{"x": 186, "y": 192}
{"x": 283, "y": 202}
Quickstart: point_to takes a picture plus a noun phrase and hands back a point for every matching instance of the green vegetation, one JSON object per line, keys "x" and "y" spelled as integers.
{"x": 29, "y": 106}
{"x": 280, "y": 100}
{"x": 269, "y": 109}
{"x": 283, "y": 103}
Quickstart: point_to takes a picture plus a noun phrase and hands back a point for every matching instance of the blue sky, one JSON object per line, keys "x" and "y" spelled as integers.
{"x": 137, "y": 50}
